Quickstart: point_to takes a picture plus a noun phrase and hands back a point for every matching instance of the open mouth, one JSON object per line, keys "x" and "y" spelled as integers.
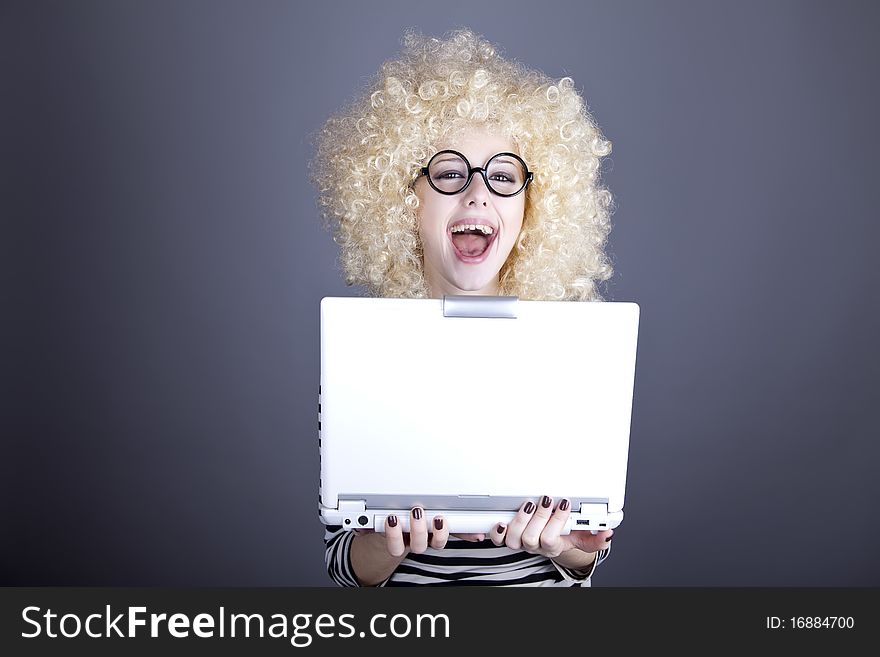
{"x": 472, "y": 241}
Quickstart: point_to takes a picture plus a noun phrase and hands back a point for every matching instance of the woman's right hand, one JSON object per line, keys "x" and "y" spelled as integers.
{"x": 398, "y": 543}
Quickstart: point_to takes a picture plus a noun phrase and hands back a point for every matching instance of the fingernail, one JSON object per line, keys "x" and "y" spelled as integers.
{"x": 417, "y": 513}
{"x": 608, "y": 540}
{"x": 529, "y": 507}
{"x": 500, "y": 529}
{"x": 563, "y": 505}
{"x": 546, "y": 501}
{"x": 392, "y": 521}
{"x": 438, "y": 523}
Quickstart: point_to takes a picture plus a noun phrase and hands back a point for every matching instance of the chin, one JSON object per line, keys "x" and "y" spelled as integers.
{"x": 472, "y": 284}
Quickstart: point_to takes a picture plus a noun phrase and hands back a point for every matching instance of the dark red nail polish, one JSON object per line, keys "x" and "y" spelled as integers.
{"x": 529, "y": 507}
{"x": 438, "y": 523}
{"x": 563, "y": 505}
{"x": 392, "y": 521}
{"x": 607, "y": 540}
{"x": 417, "y": 513}
{"x": 500, "y": 529}
{"x": 546, "y": 501}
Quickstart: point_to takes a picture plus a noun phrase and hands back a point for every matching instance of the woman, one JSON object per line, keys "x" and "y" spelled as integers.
{"x": 461, "y": 172}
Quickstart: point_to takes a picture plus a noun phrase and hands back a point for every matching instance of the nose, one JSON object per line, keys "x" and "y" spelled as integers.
{"x": 477, "y": 192}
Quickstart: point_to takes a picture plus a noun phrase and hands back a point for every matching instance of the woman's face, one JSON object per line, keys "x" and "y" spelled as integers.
{"x": 468, "y": 261}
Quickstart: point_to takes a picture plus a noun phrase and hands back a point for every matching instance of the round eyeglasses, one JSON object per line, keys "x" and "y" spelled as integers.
{"x": 449, "y": 172}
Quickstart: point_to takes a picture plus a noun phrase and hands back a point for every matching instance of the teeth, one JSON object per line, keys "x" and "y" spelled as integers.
{"x": 486, "y": 230}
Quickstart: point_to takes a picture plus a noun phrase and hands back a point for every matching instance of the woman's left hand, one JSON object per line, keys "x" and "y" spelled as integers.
{"x": 536, "y": 529}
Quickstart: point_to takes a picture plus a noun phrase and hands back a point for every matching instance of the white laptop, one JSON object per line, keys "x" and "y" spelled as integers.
{"x": 469, "y": 405}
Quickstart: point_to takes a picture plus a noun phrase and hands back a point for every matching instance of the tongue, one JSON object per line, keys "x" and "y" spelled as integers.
{"x": 470, "y": 245}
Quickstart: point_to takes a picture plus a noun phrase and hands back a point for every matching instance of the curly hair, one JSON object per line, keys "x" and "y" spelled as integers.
{"x": 369, "y": 154}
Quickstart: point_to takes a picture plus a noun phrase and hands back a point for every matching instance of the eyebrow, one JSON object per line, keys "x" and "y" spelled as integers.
{"x": 455, "y": 158}
{"x": 449, "y": 158}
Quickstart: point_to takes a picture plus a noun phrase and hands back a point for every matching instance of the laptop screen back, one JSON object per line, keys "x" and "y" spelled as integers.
{"x": 475, "y": 412}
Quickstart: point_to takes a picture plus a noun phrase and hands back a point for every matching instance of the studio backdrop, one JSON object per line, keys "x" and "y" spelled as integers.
{"x": 164, "y": 263}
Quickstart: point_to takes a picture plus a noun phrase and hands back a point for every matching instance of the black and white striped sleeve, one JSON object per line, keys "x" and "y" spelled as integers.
{"x": 337, "y": 555}
{"x": 582, "y": 577}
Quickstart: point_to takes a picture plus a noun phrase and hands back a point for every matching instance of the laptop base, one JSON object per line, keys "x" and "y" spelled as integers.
{"x": 463, "y": 521}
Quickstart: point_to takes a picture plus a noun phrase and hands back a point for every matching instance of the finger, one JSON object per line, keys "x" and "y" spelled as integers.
{"x": 440, "y": 534}
{"x": 551, "y": 544}
{"x": 588, "y": 542}
{"x": 394, "y": 537}
{"x": 470, "y": 537}
{"x": 518, "y": 524}
{"x": 531, "y": 536}
{"x": 497, "y": 533}
{"x": 418, "y": 531}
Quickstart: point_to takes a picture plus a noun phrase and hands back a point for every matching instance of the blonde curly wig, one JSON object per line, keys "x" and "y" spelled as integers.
{"x": 368, "y": 156}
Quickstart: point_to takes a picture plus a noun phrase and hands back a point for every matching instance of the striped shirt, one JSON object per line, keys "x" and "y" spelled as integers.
{"x": 460, "y": 563}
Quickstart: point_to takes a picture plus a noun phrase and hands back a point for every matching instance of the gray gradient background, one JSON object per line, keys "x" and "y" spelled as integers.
{"x": 163, "y": 265}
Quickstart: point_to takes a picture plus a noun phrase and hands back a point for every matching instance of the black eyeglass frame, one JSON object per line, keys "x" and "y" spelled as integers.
{"x": 482, "y": 171}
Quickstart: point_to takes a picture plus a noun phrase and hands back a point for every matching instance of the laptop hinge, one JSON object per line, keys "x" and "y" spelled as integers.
{"x": 479, "y": 306}
{"x": 594, "y": 509}
{"x": 352, "y": 506}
